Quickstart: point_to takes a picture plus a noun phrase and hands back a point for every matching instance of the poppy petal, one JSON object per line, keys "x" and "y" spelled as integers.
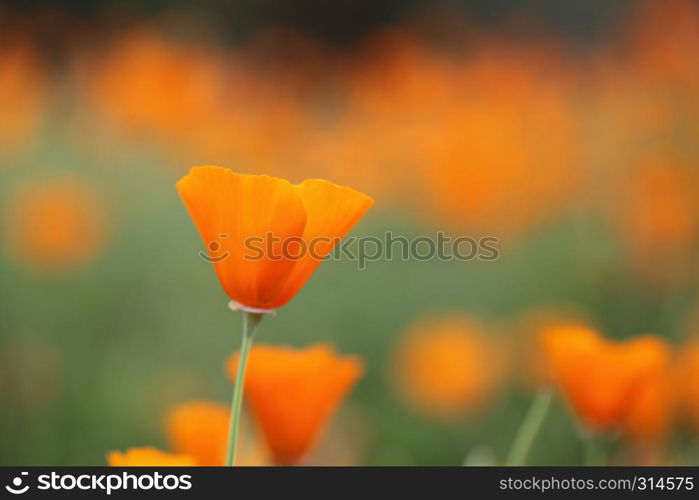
{"x": 244, "y": 220}
{"x": 331, "y": 212}
{"x": 292, "y": 394}
{"x": 148, "y": 457}
{"x": 199, "y": 429}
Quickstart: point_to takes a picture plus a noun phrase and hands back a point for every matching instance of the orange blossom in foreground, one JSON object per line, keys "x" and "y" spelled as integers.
{"x": 148, "y": 457}
{"x": 292, "y": 393}
{"x": 606, "y": 382}
{"x": 234, "y": 210}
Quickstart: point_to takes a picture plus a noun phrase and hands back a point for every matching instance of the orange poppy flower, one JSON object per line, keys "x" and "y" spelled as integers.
{"x": 56, "y": 225}
{"x": 266, "y": 236}
{"x": 651, "y": 414}
{"x": 199, "y": 429}
{"x": 533, "y": 370}
{"x": 148, "y": 457}
{"x": 608, "y": 383}
{"x": 448, "y": 367}
{"x": 292, "y": 393}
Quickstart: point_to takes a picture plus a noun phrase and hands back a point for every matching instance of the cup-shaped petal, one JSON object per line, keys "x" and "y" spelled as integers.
{"x": 264, "y": 235}
{"x": 292, "y": 393}
{"x": 603, "y": 380}
{"x": 234, "y": 212}
{"x": 199, "y": 429}
{"x": 331, "y": 212}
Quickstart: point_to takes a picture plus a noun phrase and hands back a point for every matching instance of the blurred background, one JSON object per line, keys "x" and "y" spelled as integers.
{"x": 568, "y": 130}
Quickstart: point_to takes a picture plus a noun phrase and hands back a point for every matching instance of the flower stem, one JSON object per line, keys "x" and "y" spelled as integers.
{"x": 595, "y": 450}
{"x": 531, "y": 425}
{"x": 250, "y": 323}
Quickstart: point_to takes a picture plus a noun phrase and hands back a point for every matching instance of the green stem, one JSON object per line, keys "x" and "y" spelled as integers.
{"x": 531, "y": 425}
{"x": 250, "y": 323}
{"x": 595, "y": 449}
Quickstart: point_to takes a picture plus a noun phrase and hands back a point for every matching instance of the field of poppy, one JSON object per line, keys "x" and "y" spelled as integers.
{"x": 143, "y": 149}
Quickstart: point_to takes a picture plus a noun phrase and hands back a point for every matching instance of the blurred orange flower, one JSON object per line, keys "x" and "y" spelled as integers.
{"x": 448, "y": 367}
{"x": 664, "y": 39}
{"x": 199, "y": 429}
{"x": 292, "y": 393}
{"x": 533, "y": 370}
{"x": 611, "y": 385}
{"x": 231, "y": 209}
{"x": 651, "y": 414}
{"x": 55, "y": 225}
{"x": 150, "y": 85}
{"x": 486, "y": 165}
{"x": 22, "y": 94}
{"x": 147, "y": 457}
